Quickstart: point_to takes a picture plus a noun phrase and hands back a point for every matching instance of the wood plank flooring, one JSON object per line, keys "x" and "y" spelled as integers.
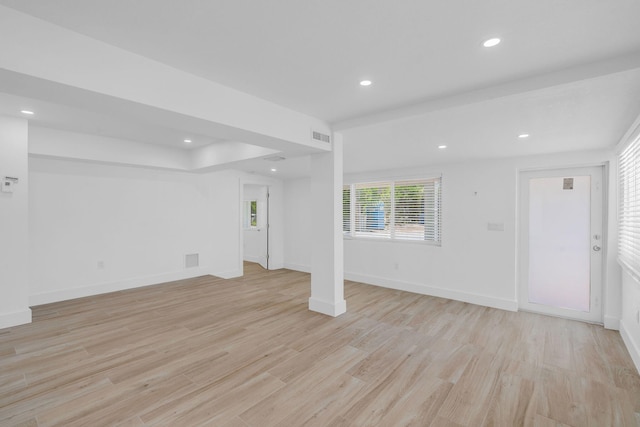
{"x": 247, "y": 352}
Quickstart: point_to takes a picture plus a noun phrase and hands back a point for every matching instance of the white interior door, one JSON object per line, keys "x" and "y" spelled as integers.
{"x": 256, "y": 224}
{"x": 561, "y": 242}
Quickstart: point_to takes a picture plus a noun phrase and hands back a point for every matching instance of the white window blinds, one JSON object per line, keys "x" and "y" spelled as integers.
{"x": 629, "y": 211}
{"x": 397, "y": 210}
{"x": 346, "y": 208}
{"x": 417, "y": 213}
{"x": 373, "y": 209}
{"x": 432, "y": 213}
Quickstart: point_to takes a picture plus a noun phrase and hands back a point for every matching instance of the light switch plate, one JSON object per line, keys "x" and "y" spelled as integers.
{"x": 495, "y": 226}
{"x": 7, "y": 186}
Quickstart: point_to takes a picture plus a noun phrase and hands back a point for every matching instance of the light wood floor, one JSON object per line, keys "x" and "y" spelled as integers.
{"x": 247, "y": 352}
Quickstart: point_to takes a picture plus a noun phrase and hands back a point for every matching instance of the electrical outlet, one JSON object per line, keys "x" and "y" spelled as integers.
{"x": 100, "y": 265}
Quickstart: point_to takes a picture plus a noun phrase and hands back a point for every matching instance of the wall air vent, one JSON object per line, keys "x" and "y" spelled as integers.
{"x": 191, "y": 260}
{"x": 318, "y": 136}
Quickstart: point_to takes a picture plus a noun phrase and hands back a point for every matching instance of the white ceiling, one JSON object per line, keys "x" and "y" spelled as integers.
{"x": 584, "y": 115}
{"x": 121, "y": 126}
{"x": 309, "y": 56}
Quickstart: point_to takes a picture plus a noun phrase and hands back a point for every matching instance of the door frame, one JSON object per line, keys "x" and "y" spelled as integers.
{"x": 522, "y": 251}
{"x": 267, "y": 227}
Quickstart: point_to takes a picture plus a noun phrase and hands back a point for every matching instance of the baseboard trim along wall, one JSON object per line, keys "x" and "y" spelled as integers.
{"x": 612, "y": 323}
{"x": 297, "y": 267}
{"x": 503, "y": 304}
{"x": 632, "y": 346}
{"x": 486, "y": 301}
{"x": 15, "y": 318}
{"x": 103, "y": 288}
{"x": 329, "y": 308}
{"x": 228, "y": 274}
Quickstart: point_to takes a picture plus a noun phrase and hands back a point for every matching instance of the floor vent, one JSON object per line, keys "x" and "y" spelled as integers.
{"x": 191, "y": 260}
{"x": 317, "y": 136}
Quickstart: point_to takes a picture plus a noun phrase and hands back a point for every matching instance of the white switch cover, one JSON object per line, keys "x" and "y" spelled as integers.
{"x": 495, "y": 226}
{"x": 7, "y": 186}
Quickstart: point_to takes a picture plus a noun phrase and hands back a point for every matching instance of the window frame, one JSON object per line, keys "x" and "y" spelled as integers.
{"x": 629, "y": 210}
{"x": 352, "y": 232}
{"x": 249, "y": 217}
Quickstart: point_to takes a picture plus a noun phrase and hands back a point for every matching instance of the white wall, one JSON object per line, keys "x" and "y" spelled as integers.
{"x": 297, "y": 217}
{"x": 473, "y": 264}
{"x": 14, "y": 228}
{"x": 98, "y": 228}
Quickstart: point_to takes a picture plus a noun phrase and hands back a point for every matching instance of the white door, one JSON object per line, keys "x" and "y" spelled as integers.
{"x": 561, "y": 243}
{"x": 256, "y": 224}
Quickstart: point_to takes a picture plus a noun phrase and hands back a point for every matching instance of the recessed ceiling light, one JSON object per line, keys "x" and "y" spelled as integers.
{"x": 523, "y": 135}
{"x": 442, "y": 147}
{"x": 274, "y": 170}
{"x": 27, "y": 112}
{"x": 187, "y": 141}
{"x": 365, "y": 83}
{"x": 491, "y": 42}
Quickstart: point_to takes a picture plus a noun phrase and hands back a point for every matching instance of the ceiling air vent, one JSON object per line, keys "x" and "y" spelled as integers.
{"x": 274, "y": 158}
{"x": 317, "y": 136}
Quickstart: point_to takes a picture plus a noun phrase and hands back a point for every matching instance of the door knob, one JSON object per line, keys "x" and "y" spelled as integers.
{"x": 596, "y": 248}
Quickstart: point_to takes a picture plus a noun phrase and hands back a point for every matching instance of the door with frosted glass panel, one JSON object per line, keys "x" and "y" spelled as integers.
{"x": 561, "y": 245}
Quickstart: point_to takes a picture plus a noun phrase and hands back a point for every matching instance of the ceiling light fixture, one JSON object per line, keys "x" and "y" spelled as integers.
{"x": 27, "y": 112}
{"x": 442, "y": 147}
{"x": 187, "y": 141}
{"x": 523, "y": 135}
{"x": 274, "y": 170}
{"x": 365, "y": 83}
{"x": 491, "y": 42}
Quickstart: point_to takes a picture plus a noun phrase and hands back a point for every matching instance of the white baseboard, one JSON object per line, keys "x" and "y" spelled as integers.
{"x": 611, "y": 322}
{"x": 330, "y": 308}
{"x": 103, "y": 288}
{"x": 275, "y": 265}
{"x": 503, "y": 304}
{"x": 15, "y": 318}
{"x": 272, "y": 265}
{"x": 228, "y": 274}
{"x": 297, "y": 267}
{"x": 632, "y": 346}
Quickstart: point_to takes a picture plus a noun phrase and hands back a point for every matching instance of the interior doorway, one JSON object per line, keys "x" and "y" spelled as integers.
{"x": 561, "y": 242}
{"x": 255, "y": 224}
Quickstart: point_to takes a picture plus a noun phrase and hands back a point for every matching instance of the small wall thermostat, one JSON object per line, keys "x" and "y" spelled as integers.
{"x": 8, "y": 183}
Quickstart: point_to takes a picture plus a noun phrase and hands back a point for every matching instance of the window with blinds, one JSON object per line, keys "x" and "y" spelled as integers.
{"x": 372, "y": 210}
{"x": 346, "y": 208}
{"x": 629, "y": 211}
{"x": 395, "y": 210}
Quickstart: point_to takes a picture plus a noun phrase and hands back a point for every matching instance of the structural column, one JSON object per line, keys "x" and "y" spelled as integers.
{"x": 14, "y": 220}
{"x": 327, "y": 264}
